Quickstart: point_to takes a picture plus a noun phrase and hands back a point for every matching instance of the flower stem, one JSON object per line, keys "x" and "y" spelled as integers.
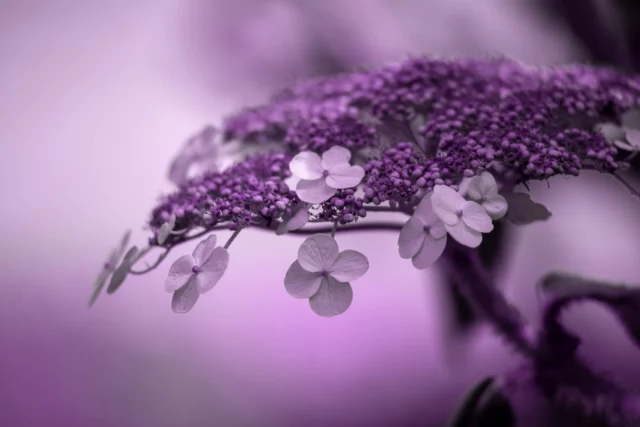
{"x": 152, "y": 266}
{"x": 383, "y": 209}
{"x": 232, "y": 238}
{"x": 632, "y": 191}
{"x": 464, "y": 264}
{"x": 334, "y": 229}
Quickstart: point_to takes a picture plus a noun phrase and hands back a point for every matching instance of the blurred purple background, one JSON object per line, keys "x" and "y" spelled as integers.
{"x": 96, "y": 99}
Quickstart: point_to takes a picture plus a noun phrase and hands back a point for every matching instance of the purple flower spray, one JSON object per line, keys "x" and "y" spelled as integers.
{"x": 450, "y": 143}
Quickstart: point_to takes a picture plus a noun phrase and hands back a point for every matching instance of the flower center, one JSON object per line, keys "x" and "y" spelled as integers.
{"x": 325, "y": 173}
{"x": 459, "y": 213}
{"x": 324, "y": 273}
{"x": 195, "y": 269}
{"x": 427, "y": 228}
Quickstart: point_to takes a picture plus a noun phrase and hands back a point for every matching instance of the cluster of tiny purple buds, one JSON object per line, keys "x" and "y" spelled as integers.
{"x": 445, "y": 142}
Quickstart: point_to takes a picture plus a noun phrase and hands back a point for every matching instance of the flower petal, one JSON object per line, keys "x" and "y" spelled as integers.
{"x": 212, "y": 270}
{"x": 200, "y": 148}
{"x": 185, "y": 298}
{"x": 116, "y": 255}
{"x": 121, "y": 273}
{"x": 446, "y": 202}
{"x": 332, "y": 298}
{"x": 316, "y": 191}
{"x": 205, "y": 248}
{"x": 318, "y": 252}
{"x": 301, "y": 283}
{"x": 335, "y": 156}
{"x": 631, "y": 119}
{"x": 179, "y": 273}
{"x": 345, "y": 176}
{"x": 464, "y": 234}
{"x": 350, "y": 265}
{"x": 622, "y": 145}
{"x": 306, "y": 165}
{"x": 411, "y": 237}
{"x": 165, "y": 230}
{"x": 463, "y": 187}
{"x": 610, "y": 131}
{"x": 476, "y": 217}
{"x": 429, "y": 252}
{"x": 633, "y": 138}
{"x": 437, "y": 230}
{"x": 496, "y": 206}
{"x": 99, "y": 283}
{"x": 297, "y": 221}
{"x": 482, "y": 186}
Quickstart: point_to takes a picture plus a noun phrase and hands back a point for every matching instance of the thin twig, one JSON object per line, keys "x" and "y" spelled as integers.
{"x": 232, "y": 238}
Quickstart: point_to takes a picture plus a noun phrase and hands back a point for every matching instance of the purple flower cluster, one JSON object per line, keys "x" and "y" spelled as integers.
{"x": 252, "y": 191}
{"x": 431, "y": 121}
{"x": 460, "y": 115}
{"x": 444, "y": 142}
{"x": 344, "y": 207}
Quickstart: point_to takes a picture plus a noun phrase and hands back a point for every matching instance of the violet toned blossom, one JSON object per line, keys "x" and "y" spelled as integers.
{"x": 483, "y": 190}
{"x": 193, "y": 275}
{"x": 462, "y": 132}
{"x": 295, "y": 220}
{"x": 120, "y": 273}
{"x": 320, "y": 177}
{"x": 627, "y": 135}
{"x": 423, "y": 238}
{"x": 463, "y": 219}
{"x": 200, "y": 152}
{"x": 322, "y": 273}
{"x": 109, "y": 267}
{"x": 165, "y": 230}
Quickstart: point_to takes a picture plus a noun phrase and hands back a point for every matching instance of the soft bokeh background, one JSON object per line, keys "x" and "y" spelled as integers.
{"x": 95, "y": 99}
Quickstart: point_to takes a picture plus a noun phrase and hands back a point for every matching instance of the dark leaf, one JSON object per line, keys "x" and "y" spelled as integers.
{"x": 463, "y": 316}
{"x": 522, "y": 210}
{"x": 622, "y": 299}
{"x": 495, "y": 410}
{"x": 485, "y": 406}
{"x": 464, "y": 416}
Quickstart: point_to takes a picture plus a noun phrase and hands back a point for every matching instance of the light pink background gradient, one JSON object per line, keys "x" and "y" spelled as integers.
{"x": 95, "y": 99}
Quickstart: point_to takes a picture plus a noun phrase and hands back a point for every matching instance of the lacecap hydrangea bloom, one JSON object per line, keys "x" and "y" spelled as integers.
{"x": 452, "y": 145}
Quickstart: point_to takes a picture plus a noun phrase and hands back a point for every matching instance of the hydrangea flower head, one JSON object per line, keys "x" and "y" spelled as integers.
{"x": 444, "y": 142}
{"x": 322, "y": 274}
{"x": 320, "y": 177}
{"x": 195, "y": 274}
